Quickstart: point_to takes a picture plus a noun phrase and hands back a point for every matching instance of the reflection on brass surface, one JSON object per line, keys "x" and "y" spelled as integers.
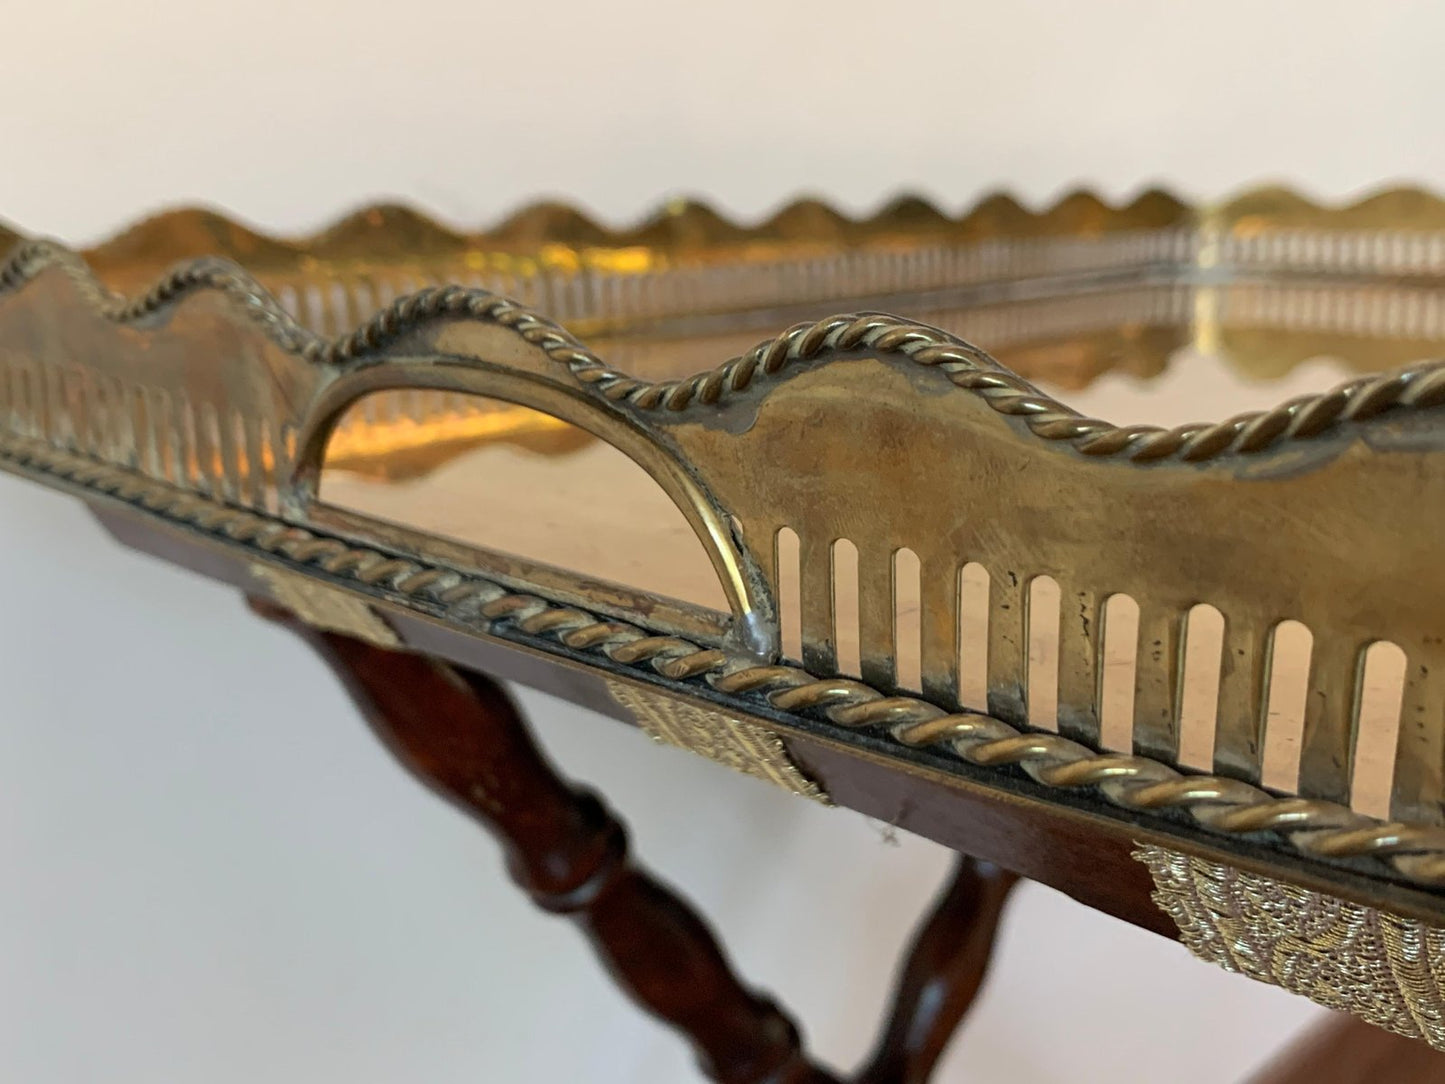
{"x": 1317, "y": 830}
{"x": 1383, "y": 968}
{"x": 686, "y": 285}
{"x": 372, "y": 343}
{"x": 324, "y": 607}
{"x": 402, "y": 448}
{"x": 740, "y": 745}
{"x": 544, "y": 234}
{"x": 1276, "y": 208}
{"x": 636, "y": 537}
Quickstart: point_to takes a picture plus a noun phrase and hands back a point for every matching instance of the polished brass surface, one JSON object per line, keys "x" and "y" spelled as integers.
{"x": 1322, "y": 833}
{"x": 217, "y": 396}
{"x": 1383, "y": 968}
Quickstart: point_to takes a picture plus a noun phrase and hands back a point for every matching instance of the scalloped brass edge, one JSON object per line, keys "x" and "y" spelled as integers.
{"x": 968, "y": 368}
{"x": 395, "y": 231}
{"x": 389, "y": 231}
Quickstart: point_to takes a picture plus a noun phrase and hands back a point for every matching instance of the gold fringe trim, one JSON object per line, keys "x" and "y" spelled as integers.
{"x": 743, "y": 746}
{"x": 1383, "y": 968}
{"x": 325, "y": 607}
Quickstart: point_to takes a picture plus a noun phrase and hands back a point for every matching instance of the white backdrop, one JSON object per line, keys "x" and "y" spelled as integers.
{"x": 209, "y": 870}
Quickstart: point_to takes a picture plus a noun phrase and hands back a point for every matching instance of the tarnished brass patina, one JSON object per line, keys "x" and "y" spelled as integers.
{"x": 294, "y": 406}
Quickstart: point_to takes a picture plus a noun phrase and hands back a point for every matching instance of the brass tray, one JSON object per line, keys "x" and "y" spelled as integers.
{"x": 556, "y": 451}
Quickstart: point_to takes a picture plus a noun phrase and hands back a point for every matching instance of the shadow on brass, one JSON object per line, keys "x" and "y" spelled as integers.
{"x": 227, "y": 389}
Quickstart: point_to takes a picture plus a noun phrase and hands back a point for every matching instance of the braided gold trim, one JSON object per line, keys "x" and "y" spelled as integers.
{"x": 1319, "y": 830}
{"x": 1386, "y": 969}
{"x": 735, "y": 743}
{"x": 1414, "y": 387}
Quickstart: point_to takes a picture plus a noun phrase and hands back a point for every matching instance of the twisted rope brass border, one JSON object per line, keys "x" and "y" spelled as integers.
{"x": 1314, "y": 828}
{"x": 1418, "y": 386}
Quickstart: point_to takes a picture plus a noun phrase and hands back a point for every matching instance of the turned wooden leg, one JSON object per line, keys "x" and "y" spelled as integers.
{"x": 460, "y": 735}
{"x": 941, "y": 974}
